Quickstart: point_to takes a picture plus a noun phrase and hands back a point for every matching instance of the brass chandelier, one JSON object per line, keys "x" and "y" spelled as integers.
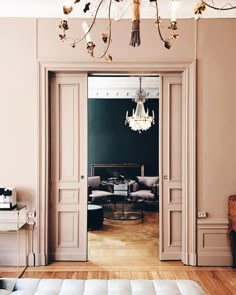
{"x": 106, "y": 37}
{"x": 135, "y": 40}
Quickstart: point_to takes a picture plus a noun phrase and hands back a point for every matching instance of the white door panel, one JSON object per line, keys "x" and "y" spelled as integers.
{"x": 68, "y": 200}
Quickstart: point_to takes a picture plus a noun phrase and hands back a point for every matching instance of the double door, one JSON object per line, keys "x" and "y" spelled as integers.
{"x": 68, "y": 198}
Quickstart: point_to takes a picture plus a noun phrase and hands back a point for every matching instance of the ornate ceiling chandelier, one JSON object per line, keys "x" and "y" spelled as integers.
{"x": 140, "y": 119}
{"x": 109, "y": 9}
{"x": 96, "y": 6}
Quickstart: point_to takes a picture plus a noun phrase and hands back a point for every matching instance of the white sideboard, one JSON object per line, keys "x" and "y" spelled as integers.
{"x": 13, "y": 221}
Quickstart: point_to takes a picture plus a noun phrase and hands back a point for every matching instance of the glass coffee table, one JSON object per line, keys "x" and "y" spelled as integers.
{"x": 121, "y": 204}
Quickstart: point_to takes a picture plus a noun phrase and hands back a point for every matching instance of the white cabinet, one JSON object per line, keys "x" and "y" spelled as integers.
{"x": 13, "y": 221}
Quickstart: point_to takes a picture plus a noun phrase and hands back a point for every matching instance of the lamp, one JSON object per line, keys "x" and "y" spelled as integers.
{"x": 140, "y": 119}
{"x": 105, "y": 8}
{"x": 106, "y": 37}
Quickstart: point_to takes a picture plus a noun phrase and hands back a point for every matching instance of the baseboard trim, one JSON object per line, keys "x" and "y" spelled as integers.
{"x": 192, "y": 259}
{"x": 209, "y": 259}
{"x": 10, "y": 259}
{"x": 68, "y": 257}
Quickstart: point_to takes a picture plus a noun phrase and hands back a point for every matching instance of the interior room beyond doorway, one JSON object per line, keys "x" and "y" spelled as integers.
{"x": 111, "y": 142}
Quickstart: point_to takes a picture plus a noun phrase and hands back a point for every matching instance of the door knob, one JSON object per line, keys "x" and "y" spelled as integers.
{"x": 82, "y": 176}
{"x": 165, "y": 177}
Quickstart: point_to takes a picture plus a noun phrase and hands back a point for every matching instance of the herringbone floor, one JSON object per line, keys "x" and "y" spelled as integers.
{"x": 129, "y": 250}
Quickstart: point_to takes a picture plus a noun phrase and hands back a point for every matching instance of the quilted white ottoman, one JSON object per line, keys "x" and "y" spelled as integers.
{"x": 32, "y": 286}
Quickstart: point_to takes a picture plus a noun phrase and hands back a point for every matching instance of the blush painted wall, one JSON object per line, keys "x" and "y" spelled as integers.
{"x": 18, "y": 107}
{"x": 216, "y": 107}
{"x": 216, "y": 142}
{"x": 26, "y": 41}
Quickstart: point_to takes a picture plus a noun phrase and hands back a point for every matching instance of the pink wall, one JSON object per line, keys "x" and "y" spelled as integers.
{"x": 216, "y": 106}
{"x": 25, "y": 41}
{"x": 18, "y": 105}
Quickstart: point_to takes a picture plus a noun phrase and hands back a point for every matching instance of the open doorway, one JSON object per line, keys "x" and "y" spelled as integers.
{"x": 171, "y": 205}
{"x": 122, "y": 157}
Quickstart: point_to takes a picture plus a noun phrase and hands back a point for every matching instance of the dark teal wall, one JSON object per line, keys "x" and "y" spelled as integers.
{"x": 110, "y": 141}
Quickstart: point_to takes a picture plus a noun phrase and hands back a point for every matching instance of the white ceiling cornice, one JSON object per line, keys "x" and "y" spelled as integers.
{"x": 122, "y": 86}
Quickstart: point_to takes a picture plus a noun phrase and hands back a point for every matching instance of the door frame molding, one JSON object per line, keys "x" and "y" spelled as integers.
{"x": 188, "y": 70}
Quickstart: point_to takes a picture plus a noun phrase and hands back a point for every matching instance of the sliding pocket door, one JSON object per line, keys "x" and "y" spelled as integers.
{"x": 68, "y": 187}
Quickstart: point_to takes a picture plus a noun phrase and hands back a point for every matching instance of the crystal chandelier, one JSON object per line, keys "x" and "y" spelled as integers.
{"x": 140, "y": 119}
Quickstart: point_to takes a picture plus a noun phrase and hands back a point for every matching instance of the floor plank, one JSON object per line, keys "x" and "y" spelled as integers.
{"x": 130, "y": 250}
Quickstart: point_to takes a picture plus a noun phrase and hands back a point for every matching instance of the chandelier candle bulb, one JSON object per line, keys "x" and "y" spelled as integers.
{"x": 174, "y": 7}
{"x": 68, "y": 3}
{"x": 86, "y": 29}
{"x": 65, "y": 17}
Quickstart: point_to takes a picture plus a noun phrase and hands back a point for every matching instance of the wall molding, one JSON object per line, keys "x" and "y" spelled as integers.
{"x": 210, "y": 223}
{"x": 214, "y": 248}
{"x": 122, "y": 86}
{"x": 187, "y": 67}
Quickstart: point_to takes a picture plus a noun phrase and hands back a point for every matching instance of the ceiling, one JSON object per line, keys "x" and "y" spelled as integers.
{"x": 120, "y": 10}
{"x": 122, "y": 86}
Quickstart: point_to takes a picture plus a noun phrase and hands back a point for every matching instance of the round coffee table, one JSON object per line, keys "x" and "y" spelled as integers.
{"x": 126, "y": 214}
{"x": 95, "y": 217}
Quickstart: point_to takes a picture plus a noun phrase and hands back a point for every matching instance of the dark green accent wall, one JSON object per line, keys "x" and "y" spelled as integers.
{"x": 110, "y": 141}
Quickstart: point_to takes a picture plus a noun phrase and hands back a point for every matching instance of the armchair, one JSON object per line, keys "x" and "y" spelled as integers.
{"x": 146, "y": 187}
{"x": 98, "y": 191}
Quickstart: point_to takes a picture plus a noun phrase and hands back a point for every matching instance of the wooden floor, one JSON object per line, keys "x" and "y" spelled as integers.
{"x": 129, "y": 250}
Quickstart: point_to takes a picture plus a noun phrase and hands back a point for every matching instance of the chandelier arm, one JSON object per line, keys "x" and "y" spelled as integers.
{"x": 220, "y": 8}
{"x": 158, "y": 21}
{"x": 160, "y": 34}
{"x": 92, "y": 24}
{"x": 109, "y": 37}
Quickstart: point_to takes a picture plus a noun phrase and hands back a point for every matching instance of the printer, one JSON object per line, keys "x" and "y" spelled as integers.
{"x": 7, "y": 198}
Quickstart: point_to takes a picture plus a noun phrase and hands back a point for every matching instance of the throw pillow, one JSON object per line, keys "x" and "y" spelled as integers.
{"x": 146, "y": 182}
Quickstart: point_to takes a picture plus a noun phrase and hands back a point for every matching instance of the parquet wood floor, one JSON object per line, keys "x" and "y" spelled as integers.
{"x": 129, "y": 250}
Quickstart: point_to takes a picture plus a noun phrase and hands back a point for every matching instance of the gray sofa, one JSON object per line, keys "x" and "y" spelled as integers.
{"x": 32, "y": 286}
